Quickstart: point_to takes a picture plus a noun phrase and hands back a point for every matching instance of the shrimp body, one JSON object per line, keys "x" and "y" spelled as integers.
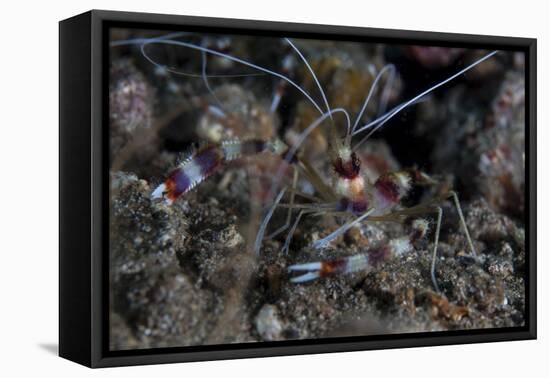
{"x": 352, "y": 193}
{"x": 349, "y": 183}
{"x": 357, "y": 195}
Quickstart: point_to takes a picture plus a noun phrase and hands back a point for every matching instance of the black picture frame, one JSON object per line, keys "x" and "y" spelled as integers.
{"x": 83, "y": 228}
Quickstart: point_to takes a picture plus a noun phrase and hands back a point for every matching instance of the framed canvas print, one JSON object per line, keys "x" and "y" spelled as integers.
{"x": 234, "y": 188}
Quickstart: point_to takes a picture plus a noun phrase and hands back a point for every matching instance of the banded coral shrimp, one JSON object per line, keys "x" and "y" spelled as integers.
{"x": 350, "y": 195}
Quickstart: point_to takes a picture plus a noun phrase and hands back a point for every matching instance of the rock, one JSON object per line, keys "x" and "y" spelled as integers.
{"x": 482, "y": 141}
{"x": 130, "y": 103}
{"x": 268, "y": 324}
{"x": 152, "y": 299}
{"x": 434, "y": 57}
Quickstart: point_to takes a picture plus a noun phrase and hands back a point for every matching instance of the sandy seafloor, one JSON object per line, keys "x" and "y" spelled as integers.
{"x": 186, "y": 274}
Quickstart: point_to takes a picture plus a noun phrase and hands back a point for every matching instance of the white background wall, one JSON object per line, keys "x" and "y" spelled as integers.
{"x": 29, "y": 188}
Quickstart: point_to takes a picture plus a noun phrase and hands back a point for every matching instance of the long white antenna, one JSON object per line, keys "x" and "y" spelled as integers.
{"x": 416, "y": 98}
{"x": 312, "y": 74}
